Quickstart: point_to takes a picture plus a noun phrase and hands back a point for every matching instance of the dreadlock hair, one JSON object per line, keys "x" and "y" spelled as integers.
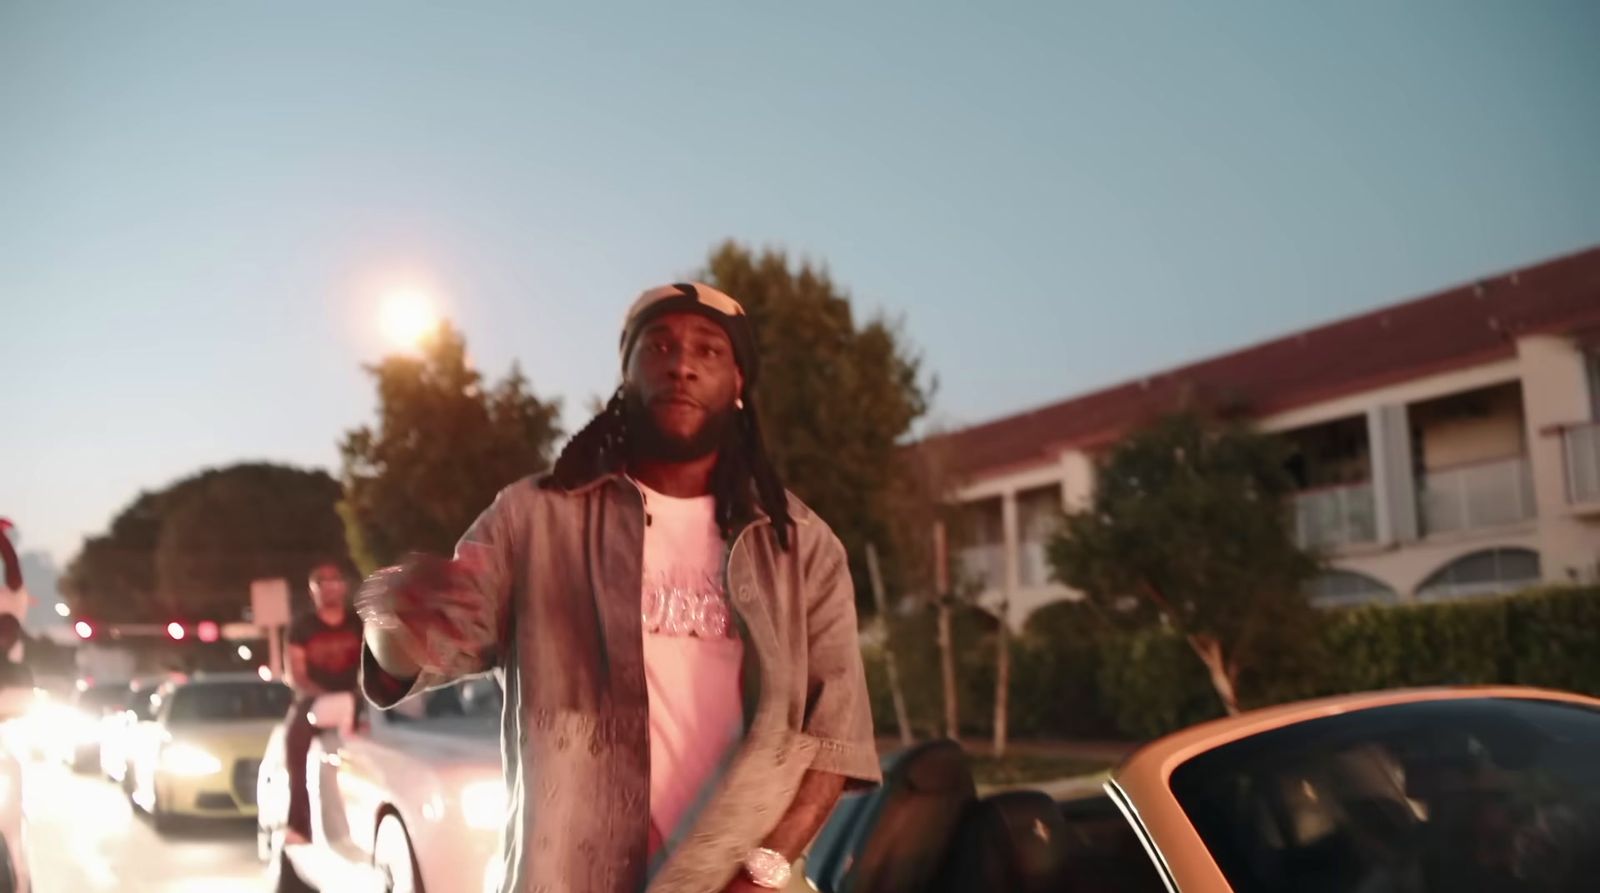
{"x": 743, "y": 477}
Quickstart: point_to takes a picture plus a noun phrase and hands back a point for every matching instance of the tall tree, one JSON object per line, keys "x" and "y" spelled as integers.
{"x": 113, "y": 576}
{"x": 243, "y": 523}
{"x": 836, "y": 396}
{"x": 442, "y": 447}
{"x": 192, "y": 548}
{"x": 1187, "y": 526}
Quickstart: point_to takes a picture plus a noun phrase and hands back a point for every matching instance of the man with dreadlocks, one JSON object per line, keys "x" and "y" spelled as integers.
{"x": 676, "y": 633}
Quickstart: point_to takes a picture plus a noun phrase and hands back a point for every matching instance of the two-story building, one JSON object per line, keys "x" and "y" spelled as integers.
{"x": 1445, "y": 447}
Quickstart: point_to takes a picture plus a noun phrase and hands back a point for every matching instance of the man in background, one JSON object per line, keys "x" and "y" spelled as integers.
{"x": 324, "y": 657}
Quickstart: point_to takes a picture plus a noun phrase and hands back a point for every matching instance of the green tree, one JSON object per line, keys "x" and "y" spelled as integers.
{"x": 1187, "y": 526}
{"x": 244, "y": 523}
{"x": 442, "y": 447}
{"x": 113, "y": 577}
{"x": 192, "y": 548}
{"x": 836, "y": 397}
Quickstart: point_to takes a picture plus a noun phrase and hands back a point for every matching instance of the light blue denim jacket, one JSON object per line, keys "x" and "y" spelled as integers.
{"x": 554, "y": 609}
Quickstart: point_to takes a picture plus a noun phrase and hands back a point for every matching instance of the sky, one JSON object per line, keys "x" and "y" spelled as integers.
{"x": 203, "y": 204}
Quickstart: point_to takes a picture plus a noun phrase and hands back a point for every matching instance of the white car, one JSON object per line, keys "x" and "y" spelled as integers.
{"x": 198, "y": 756}
{"x": 408, "y": 799}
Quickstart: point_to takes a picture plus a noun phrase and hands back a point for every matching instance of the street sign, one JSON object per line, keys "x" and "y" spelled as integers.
{"x": 269, "y": 602}
{"x": 269, "y": 608}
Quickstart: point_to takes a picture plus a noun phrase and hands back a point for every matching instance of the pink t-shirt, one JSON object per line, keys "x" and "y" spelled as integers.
{"x": 692, "y": 657}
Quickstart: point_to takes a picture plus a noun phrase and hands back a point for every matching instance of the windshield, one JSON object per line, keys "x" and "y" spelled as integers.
{"x": 225, "y": 701}
{"x": 1476, "y": 794}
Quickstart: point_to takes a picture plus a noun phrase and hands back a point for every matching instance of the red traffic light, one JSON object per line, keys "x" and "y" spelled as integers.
{"x": 207, "y": 631}
{"x": 176, "y": 631}
{"x": 84, "y": 629}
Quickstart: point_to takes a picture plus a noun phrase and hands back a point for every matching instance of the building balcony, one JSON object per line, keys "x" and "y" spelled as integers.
{"x": 1335, "y": 517}
{"x": 1581, "y": 445}
{"x": 1476, "y": 496}
{"x": 983, "y": 566}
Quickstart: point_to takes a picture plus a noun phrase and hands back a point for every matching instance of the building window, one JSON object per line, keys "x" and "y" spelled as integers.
{"x": 981, "y": 557}
{"x": 1038, "y": 519}
{"x": 1341, "y": 589}
{"x": 1489, "y": 572}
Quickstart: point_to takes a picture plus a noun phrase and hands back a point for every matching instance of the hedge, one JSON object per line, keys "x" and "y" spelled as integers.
{"x": 1074, "y": 677}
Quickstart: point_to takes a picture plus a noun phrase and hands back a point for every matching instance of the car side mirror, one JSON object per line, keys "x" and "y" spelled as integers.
{"x": 334, "y": 712}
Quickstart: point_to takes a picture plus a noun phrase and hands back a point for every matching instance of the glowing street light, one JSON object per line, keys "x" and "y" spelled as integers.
{"x": 244, "y": 652}
{"x": 408, "y": 318}
{"x": 176, "y": 631}
{"x": 62, "y": 610}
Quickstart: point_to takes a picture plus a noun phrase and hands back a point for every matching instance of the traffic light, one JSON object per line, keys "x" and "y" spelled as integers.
{"x": 207, "y": 631}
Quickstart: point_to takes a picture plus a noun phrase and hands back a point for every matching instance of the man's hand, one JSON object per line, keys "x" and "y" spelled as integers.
{"x": 407, "y": 624}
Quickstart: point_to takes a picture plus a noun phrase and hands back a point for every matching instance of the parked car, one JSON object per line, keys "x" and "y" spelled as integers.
{"x": 199, "y": 754}
{"x": 75, "y": 727}
{"x": 119, "y": 731}
{"x": 403, "y": 800}
{"x": 1419, "y": 791}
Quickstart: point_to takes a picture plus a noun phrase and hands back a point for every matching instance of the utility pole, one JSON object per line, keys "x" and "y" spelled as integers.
{"x": 901, "y": 717}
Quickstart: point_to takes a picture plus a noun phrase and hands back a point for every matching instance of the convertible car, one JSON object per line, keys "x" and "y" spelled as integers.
{"x": 402, "y": 800}
{"x": 1418, "y": 791}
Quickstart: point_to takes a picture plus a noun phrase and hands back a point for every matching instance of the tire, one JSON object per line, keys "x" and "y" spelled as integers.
{"x": 164, "y": 822}
{"x": 281, "y": 875}
{"x": 394, "y": 858}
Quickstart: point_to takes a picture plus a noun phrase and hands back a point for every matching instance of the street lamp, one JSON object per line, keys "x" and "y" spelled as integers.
{"x": 408, "y": 318}
{"x": 62, "y": 610}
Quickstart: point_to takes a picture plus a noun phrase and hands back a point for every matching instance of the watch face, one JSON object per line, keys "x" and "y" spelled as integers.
{"x": 767, "y": 868}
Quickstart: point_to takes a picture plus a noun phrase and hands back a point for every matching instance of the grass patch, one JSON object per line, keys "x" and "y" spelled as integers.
{"x": 1030, "y": 768}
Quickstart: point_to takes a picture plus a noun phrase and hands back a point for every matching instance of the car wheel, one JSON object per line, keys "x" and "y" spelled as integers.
{"x": 281, "y": 875}
{"x": 164, "y": 822}
{"x": 394, "y": 859}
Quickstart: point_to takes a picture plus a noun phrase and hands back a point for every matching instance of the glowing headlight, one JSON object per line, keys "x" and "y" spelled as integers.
{"x": 189, "y": 761}
{"x": 483, "y": 804}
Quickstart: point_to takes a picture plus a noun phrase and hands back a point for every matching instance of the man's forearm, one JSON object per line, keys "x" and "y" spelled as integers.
{"x": 390, "y": 655}
{"x": 813, "y": 803}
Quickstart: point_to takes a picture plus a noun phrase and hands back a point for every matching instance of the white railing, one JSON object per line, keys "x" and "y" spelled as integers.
{"x": 1330, "y": 517}
{"x": 1033, "y": 565}
{"x": 984, "y": 565}
{"x": 1476, "y": 496}
{"x": 1582, "y": 446}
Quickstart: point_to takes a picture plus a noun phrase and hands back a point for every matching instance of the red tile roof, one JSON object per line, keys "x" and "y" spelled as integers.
{"x": 1464, "y": 326}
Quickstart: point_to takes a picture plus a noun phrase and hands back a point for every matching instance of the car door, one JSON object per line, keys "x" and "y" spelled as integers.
{"x": 894, "y": 839}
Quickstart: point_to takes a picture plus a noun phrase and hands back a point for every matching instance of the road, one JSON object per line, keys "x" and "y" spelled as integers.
{"x": 83, "y": 837}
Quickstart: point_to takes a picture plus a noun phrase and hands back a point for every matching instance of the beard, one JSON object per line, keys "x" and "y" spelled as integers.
{"x": 650, "y": 441}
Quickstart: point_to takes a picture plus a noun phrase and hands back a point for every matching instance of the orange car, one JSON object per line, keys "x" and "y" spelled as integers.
{"x": 1416, "y": 791}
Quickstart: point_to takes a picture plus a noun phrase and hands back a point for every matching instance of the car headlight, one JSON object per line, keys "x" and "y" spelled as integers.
{"x": 483, "y": 804}
{"x": 188, "y": 760}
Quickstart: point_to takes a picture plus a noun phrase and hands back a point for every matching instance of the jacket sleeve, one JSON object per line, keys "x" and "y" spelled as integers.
{"x": 458, "y": 623}
{"x": 838, "y": 712}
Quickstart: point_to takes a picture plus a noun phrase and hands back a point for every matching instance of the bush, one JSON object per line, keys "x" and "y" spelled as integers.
{"x": 916, "y": 649}
{"x": 1074, "y": 676}
{"x": 1555, "y": 637}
